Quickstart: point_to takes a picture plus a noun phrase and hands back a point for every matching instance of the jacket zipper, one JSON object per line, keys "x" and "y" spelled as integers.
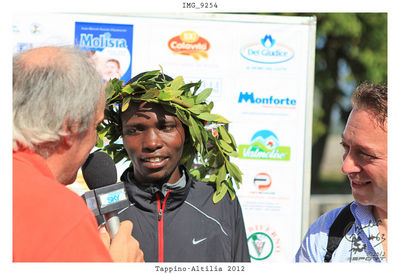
{"x": 160, "y": 218}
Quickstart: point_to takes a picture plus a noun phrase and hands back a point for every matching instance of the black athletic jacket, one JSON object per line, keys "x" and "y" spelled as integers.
{"x": 185, "y": 225}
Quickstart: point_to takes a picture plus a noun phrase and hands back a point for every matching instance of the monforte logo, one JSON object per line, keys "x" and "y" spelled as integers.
{"x": 264, "y": 145}
{"x": 267, "y": 51}
{"x": 102, "y": 41}
{"x": 189, "y": 43}
{"x": 245, "y": 97}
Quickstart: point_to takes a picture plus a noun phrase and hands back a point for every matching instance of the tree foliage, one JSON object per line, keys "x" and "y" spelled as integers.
{"x": 351, "y": 48}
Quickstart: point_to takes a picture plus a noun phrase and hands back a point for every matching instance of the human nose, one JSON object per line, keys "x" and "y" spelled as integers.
{"x": 152, "y": 140}
{"x": 349, "y": 164}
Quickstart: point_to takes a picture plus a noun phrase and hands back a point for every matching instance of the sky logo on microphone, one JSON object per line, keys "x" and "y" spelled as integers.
{"x": 112, "y": 197}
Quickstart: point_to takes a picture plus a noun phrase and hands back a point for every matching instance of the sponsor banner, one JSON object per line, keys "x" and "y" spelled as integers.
{"x": 276, "y": 49}
{"x": 264, "y": 145}
{"x": 110, "y": 48}
{"x": 37, "y": 30}
{"x": 189, "y": 43}
{"x": 264, "y": 243}
{"x": 263, "y": 101}
{"x": 266, "y": 190}
{"x": 262, "y": 181}
{"x": 267, "y": 101}
{"x": 267, "y": 51}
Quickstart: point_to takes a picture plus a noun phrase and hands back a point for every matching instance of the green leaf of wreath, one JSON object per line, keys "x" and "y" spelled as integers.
{"x": 203, "y": 95}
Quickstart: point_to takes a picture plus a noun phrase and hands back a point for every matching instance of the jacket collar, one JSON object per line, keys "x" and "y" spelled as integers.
{"x": 144, "y": 196}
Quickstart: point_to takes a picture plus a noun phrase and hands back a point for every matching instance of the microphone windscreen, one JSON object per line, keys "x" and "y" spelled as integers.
{"x": 99, "y": 170}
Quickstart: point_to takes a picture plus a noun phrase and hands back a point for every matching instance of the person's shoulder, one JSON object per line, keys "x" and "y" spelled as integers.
{"x": 203, "y": 185}
{"x": 201, "y": 190}
{"x": 325, "y": 221}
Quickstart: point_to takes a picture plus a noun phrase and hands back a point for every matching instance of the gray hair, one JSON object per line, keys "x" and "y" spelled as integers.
{"x": 62, "y": 86}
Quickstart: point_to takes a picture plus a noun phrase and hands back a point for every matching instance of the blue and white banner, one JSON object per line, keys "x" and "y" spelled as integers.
{"x": 110, "y": 47}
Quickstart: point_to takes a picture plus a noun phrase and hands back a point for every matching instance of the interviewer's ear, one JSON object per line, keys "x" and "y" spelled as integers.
{"x": 70, "y": 133}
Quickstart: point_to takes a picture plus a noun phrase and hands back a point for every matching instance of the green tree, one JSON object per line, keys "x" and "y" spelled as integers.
{"x": 351, "y": 48}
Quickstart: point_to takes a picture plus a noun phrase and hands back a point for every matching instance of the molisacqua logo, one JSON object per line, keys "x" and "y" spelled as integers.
{"x": 189, "y": 43}
{"x": 263, "y": 242}
{"x": 264, "y": 145}
{"x": 267, "y": 51}
{"x": 262, "y": 181}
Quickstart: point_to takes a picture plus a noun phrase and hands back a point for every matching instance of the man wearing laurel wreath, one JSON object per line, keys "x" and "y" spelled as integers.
{"x": 180, "y": 214}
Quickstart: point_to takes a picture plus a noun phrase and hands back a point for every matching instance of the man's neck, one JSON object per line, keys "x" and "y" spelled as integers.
{"x": 380, "y": 215}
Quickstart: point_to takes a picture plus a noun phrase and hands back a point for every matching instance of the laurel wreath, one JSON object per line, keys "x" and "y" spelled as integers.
{"x": 210, "y": 144}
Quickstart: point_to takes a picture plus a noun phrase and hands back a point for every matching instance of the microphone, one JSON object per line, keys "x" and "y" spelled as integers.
{"x": 106, "y": 195}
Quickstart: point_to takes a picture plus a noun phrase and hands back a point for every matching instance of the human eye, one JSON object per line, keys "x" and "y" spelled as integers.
{"x": 367, "y": 156}
{"x": 131, "y": 131}
{"x": 168, "y": 126}
{"x": 345, "y": 146}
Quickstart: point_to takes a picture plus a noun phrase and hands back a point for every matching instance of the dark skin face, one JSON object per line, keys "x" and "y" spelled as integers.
{"x": 154, "y": 140}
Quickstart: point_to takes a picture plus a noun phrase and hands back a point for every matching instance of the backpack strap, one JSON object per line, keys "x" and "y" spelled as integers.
{"x": 338, "y": 230}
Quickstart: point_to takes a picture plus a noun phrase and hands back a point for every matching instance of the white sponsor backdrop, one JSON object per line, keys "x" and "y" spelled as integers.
{"x": 261, "y": 69}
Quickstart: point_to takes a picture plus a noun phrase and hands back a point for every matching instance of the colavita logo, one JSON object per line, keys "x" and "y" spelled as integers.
{"x": 267, "y": 52}
{"x": 264, "y": 145}
{"x": 249, "y": 98}
{"x": 263, "y": 181}
{"x": 189, "y": 43}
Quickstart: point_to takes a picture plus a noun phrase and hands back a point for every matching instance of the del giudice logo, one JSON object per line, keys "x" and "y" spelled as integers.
{"x": 264, "y": 145}
{"x": 189, "y": 43}
{"x": 267, "y": 51}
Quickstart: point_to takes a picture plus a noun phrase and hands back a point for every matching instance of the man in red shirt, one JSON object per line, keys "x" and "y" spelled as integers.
{"x": 58, "y": 102}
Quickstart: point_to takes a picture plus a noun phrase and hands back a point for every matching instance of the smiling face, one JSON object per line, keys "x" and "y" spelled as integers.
{"x": 154, "y": 141}
{"x": 365, "y": 158}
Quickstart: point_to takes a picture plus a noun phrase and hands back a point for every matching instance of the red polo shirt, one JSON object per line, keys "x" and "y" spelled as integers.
{"x": 50, "y": 222}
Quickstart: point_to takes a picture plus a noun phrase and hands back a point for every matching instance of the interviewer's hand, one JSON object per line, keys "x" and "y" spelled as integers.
{"x": 123, "y": 248}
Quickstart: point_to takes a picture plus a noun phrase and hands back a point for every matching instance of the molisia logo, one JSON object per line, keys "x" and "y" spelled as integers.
{"x": 265, "y": 146}
{"x": 189, "y": 43}
{"x": 267, "y": 52}
{"x": 102, "y": 41}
